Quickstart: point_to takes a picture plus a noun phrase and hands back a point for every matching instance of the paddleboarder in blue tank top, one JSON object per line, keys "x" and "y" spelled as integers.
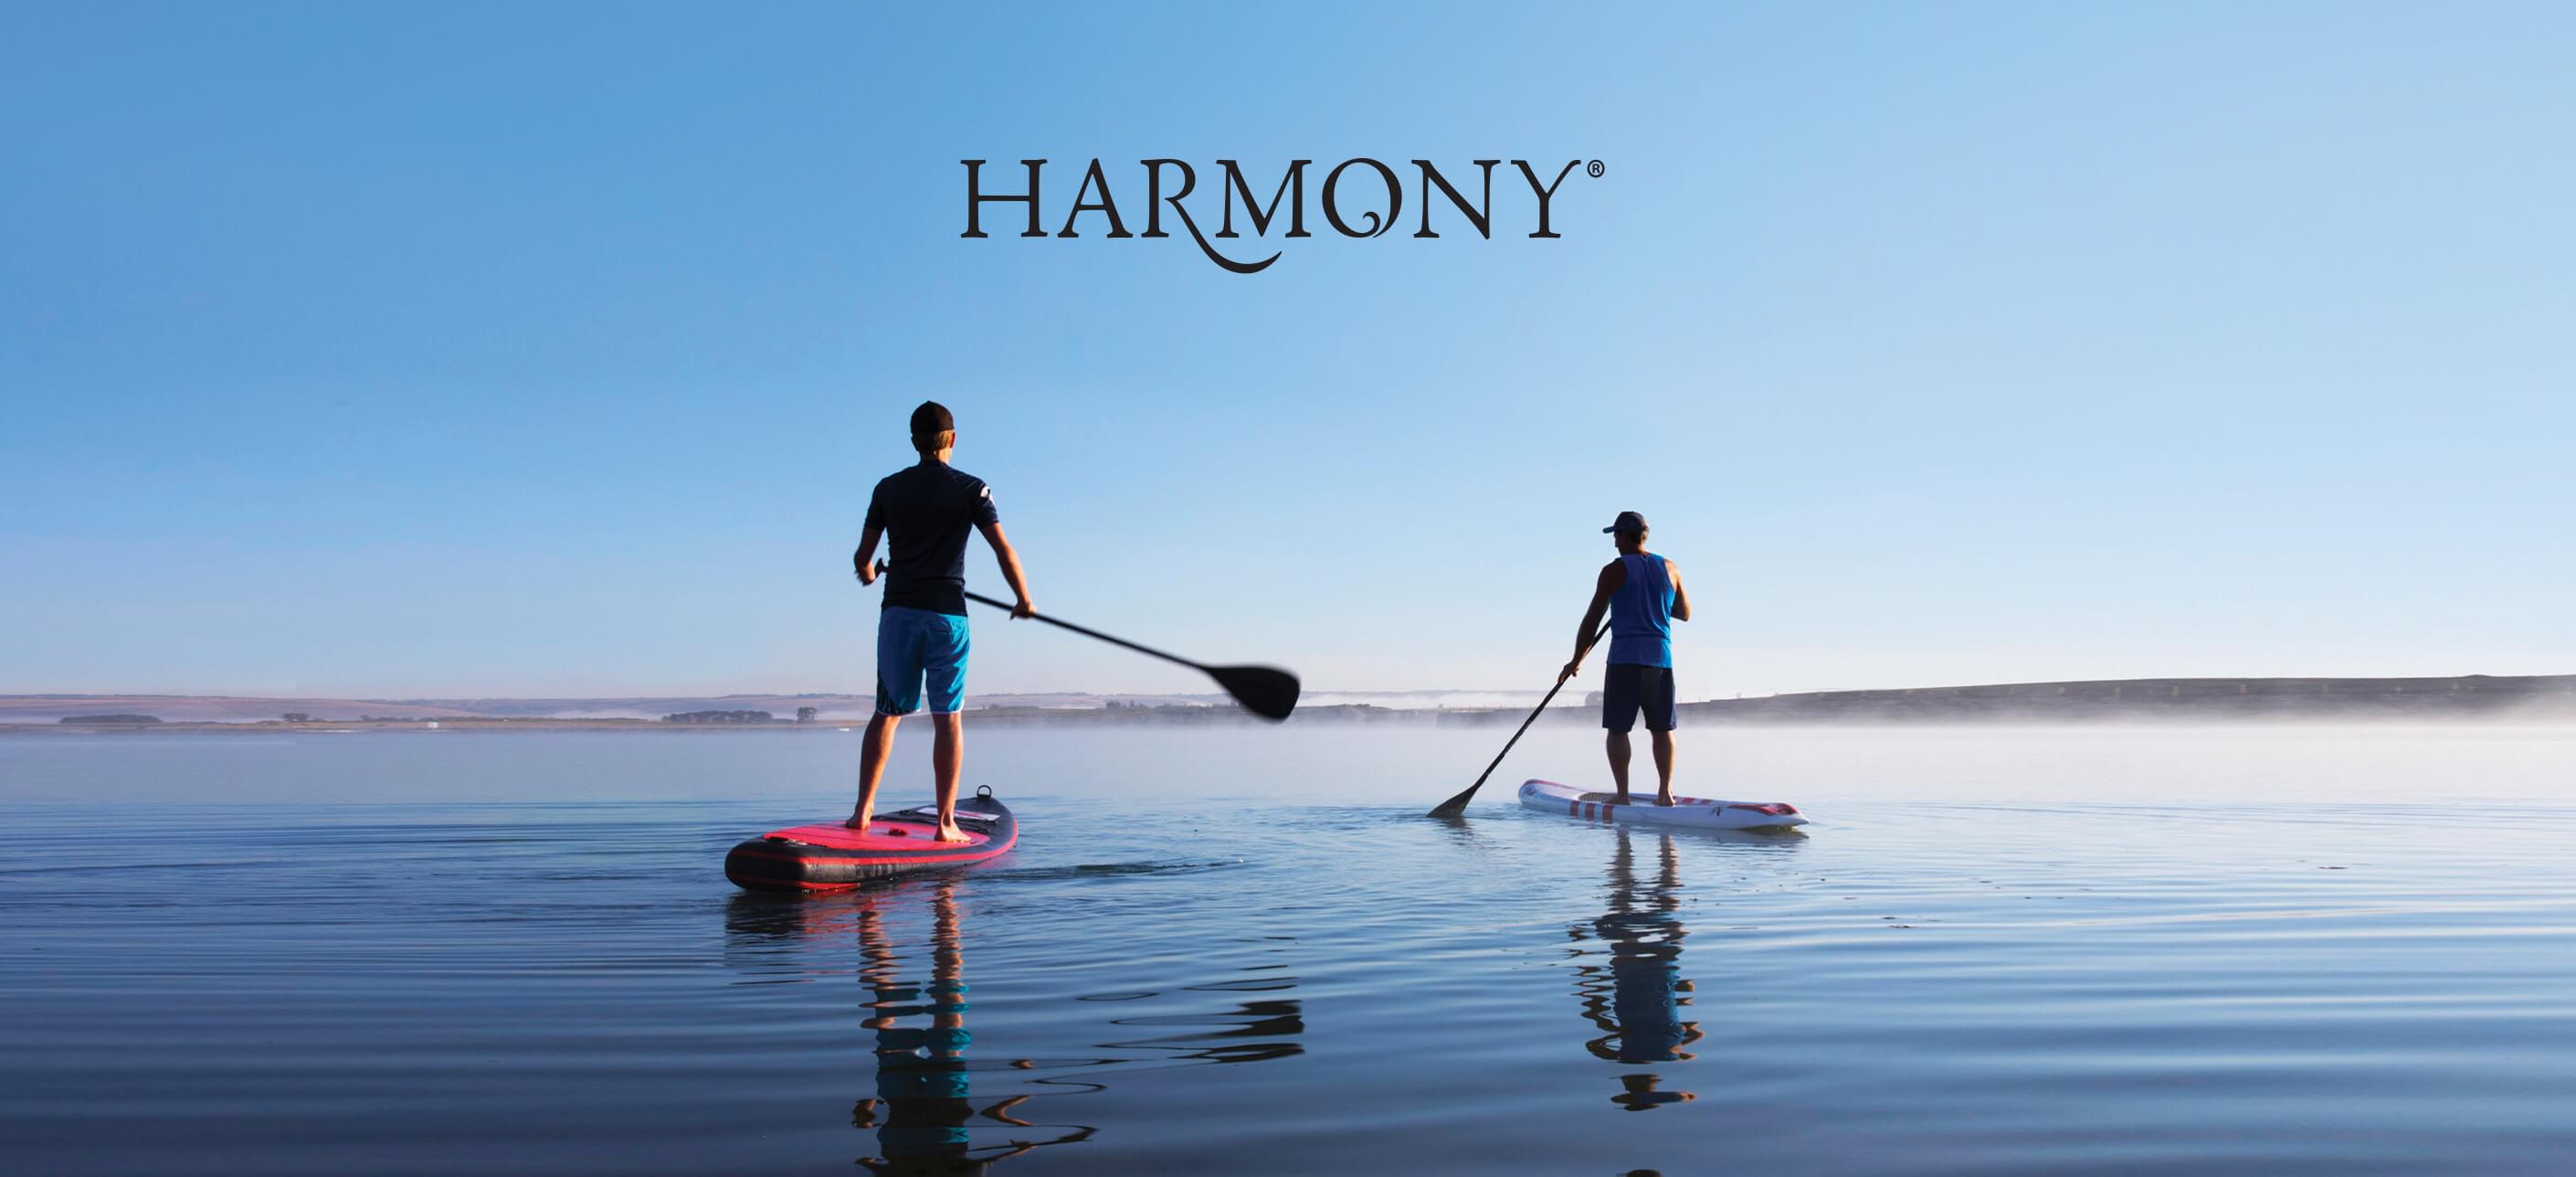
{"x": 1643, "y": 594}
{"x": 928, "y": 509}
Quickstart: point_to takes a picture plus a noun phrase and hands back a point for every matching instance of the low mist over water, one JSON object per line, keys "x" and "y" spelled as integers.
{"x": 2310, "y": 949}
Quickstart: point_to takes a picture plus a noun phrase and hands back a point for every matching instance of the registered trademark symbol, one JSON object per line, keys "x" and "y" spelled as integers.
{"x": 1594, "y": 169}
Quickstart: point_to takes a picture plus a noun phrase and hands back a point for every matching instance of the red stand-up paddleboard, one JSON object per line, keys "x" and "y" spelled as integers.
{"x": 830, "y": 856}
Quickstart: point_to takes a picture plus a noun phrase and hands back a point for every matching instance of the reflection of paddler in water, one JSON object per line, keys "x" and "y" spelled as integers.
{"x": 922, "y": 1109}
{"x": 923, "y": 1098}
{"x": 1640, "y": 1014}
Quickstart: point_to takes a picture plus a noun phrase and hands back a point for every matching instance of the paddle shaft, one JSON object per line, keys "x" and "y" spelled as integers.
{"x": 1093, "y": 633}
{"x": 1460, "y": 801}
{"x": 1085, "y": 631}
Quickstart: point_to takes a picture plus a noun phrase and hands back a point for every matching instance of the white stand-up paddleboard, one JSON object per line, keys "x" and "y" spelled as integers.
{"x": 1697, "y": 812}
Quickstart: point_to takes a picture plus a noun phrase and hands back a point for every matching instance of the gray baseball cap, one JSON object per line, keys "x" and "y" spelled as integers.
{"x": 1628, "y": 523}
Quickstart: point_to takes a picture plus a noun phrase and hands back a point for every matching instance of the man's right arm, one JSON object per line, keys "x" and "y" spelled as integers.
{"x": 1612, "y": 576}
{"x": 871, "y": 530}
{"x": 867, "y": 548}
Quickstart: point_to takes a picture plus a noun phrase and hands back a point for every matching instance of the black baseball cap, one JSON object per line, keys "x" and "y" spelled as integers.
{"x": 1628, "y": 523}
{"x": 932, "y": 417}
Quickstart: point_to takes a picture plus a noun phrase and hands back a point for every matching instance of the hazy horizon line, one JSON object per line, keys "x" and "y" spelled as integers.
{"x": 1214, "y": 694}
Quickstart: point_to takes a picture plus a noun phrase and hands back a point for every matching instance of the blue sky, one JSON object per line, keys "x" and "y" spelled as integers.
{"x": 438, "y": 350}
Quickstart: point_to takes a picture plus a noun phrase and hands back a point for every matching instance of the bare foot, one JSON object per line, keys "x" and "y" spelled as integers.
{"x": 1664, "y": 798}
{"x": 950, "y": 833}
{"x": 857, "y": 822}
{"x": 1623, "y": 800}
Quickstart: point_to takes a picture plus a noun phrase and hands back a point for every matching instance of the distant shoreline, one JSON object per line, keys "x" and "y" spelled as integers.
{"x": 2476, "y": 698}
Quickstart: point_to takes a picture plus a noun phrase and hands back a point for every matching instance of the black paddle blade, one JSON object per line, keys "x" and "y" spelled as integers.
{"x": 1266, "y": 691}
{"x": 1457, "y": 806}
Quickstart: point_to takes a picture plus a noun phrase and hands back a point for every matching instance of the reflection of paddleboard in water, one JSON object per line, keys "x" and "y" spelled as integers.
{"x": 1695, "y": 812}
{"x": 829, "y": 856}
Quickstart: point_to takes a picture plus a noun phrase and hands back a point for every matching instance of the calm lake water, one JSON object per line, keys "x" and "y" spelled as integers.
{"x": 1246, "y": 951}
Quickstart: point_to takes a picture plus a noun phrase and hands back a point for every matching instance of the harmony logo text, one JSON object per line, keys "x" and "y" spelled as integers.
{"x": 1368, "y": 205}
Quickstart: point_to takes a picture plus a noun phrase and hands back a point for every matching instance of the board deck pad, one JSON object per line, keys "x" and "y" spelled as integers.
{"x": 902, "y": 831}
{"x": 1643, "y": 799}
{"x": 1701, "y": 812}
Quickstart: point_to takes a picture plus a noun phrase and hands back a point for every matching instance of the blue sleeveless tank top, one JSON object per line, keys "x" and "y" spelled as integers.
{"x": 1641, "y": 614}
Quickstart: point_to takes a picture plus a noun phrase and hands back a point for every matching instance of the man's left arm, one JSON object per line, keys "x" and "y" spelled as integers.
{"x": 989, "y": 521}
{"x": 1010, "y": 561}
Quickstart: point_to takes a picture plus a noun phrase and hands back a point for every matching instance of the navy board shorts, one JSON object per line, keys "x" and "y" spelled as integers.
{"x": 916, "y": 647}
{"x": 1632, "y": 689}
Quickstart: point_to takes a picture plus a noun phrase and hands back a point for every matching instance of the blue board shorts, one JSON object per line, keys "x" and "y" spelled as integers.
{"x": 914, "y": 647}
{"x": 1633, "y": 689}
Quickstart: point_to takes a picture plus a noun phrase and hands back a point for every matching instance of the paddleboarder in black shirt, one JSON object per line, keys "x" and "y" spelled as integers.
{"x": 927, "y": 510}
